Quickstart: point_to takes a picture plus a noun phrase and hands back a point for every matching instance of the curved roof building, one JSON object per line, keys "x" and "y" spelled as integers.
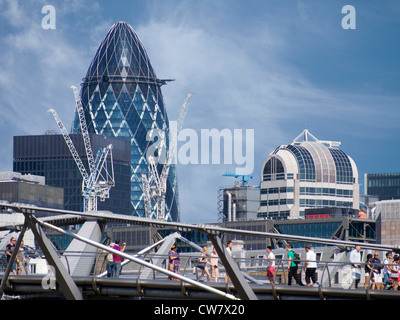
{"x": 121, "y": 96}
{"x": 307, "y": 174}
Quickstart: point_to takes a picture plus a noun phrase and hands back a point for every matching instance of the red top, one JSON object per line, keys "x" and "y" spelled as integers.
{"x": 116, "y": 257}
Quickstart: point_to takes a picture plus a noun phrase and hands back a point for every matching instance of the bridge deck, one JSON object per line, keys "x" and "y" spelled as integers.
{"x": 31, "y": 287}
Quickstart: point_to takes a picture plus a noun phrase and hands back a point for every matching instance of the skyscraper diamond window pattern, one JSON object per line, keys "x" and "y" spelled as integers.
{"x": 122, "y": 97}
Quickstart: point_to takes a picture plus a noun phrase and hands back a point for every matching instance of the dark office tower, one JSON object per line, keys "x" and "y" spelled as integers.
{"x": 384, "y": 185}
{"x": 48, "y": 156}
{"x": 121, "y": 96}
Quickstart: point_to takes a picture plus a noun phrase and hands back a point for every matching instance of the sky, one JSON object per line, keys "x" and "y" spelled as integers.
{"x": 274, "y": 67}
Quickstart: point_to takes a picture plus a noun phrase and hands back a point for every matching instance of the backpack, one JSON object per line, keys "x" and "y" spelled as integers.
{"x": 296, "y": 258}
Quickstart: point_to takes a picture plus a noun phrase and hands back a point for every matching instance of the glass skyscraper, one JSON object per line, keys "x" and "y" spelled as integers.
{"x": 121, "y": 96}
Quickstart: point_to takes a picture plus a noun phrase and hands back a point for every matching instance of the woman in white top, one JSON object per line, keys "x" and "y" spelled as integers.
{"x": 214, "y": 264}
{"x": 310, "y": 266}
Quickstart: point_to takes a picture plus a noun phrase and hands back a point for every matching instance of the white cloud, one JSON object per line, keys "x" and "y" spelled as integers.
{"x": 241, "y": 81}
{"x": 37, "y": 68}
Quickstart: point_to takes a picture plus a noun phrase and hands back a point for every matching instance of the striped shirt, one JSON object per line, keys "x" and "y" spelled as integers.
{"x": 116, "y": 257}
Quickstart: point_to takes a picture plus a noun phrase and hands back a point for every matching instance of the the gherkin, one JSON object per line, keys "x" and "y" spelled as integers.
{"x": 121, "y": 96}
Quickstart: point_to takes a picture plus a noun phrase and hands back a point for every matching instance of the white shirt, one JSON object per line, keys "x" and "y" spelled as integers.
{"x": 311, "y": 258}
{"x": 271, "y": 256}
{"x": 386, "y": 262}
{"x": 355, "y": 257}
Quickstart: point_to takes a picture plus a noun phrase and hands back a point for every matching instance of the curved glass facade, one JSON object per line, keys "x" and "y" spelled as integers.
{"x": 305, "y": 162}
{"x": 121, "y": 96}
{"x": 305, "y": 175}
{"x": 274, "y": 168}
{"x": 344, "y": 171}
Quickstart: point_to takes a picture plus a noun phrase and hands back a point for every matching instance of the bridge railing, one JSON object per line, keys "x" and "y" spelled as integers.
{"x": 330, "y": 274}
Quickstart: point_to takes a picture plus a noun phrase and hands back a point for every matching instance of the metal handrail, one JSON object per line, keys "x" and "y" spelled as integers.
{"x": 324, "y": 269}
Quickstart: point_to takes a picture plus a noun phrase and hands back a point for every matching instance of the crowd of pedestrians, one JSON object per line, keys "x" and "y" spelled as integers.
{"x": 21, "y": 262}
{"x": 378, "y": 275}
{"x": 114, "y": 260}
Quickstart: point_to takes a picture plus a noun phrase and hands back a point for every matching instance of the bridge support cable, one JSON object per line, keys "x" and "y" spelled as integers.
{"x": 241, "y": 285}
{"x": 136, "y": 260}
{"x": 147, "y": 249}
{"x": 184, "y": 227}
{"x": 67, "y": 285}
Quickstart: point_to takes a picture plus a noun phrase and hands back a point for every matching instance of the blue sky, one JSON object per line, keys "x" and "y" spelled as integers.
{"x": 277, "y": 67}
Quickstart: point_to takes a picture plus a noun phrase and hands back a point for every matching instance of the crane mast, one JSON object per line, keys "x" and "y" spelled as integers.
{"x": 157, "y": 190}
{"x": 70, "y": 145}
{"x": 84, "y": 130}
{"x": 98, "y": 182}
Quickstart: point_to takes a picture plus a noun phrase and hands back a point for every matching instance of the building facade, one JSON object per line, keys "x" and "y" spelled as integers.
{"x": 388, "y": 222}
{"x": 308, "y": 173}
{"x": 121, "y": 96}
{"x": 238, "y": 203}
{"x": 30, "y": 189}
{"x": 384, "y": 185}
{"x": 48, "y": 156}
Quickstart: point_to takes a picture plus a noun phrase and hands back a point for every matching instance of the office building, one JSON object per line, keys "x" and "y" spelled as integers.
{"x": 48, "y": 156}
{"x": 238, "y": 203}
{"x": 388, "y": 222}
{"x": 308, "y": 173}
{"x": 384, "y": 185}
{"x": 30, "y": 189}
{"x": 121, "y": 96}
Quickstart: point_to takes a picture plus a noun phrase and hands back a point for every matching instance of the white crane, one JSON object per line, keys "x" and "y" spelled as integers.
{"x": 156, "y": 188}
{"x": 98, "y": 182}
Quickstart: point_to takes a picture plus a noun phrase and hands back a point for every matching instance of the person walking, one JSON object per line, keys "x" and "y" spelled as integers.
{"x": 118, "y": 259}
{"x": 310, "y": 266}
{"x": 9, "y": 251}
{"x": 386, "y": 270}
{"x": 21, "y": 260}
{"x": 228, "y": 250}
{"x": 203, "y": 262}
{"x": 368, "y": 271}
{"x": 376, "y": 271}
{"x": 292, "y": 267}
{"x": 110, "y": 262}
{"x": 355, "y": 260}
{"x": 270, "y": 257}
{"x": 394, "y": 272}
{"x": 174, "y": 261}
{"x": 214, "y": 265}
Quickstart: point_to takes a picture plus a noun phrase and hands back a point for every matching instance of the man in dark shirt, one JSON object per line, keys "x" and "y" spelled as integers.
{"x": 9, "y": 251}
{"x": 376, "y": 271}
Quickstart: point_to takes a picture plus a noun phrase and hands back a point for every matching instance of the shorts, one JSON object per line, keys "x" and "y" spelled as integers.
{"x": 201, "y": 265}
{"x": 270, "y": 272}
{"x": 377, "y": 277}
{"x": 20, "y": 266}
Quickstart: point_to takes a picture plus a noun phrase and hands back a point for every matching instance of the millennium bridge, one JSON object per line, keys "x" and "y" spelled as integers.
{"x": 78, "y": 274}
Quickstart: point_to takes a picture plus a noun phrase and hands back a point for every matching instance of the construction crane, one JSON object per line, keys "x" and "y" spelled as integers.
{"x": 245, "y": 178}
{"x": 84, "y": 130}
{"x": 155, "y": 189}
{"x": 100, "y": 179}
